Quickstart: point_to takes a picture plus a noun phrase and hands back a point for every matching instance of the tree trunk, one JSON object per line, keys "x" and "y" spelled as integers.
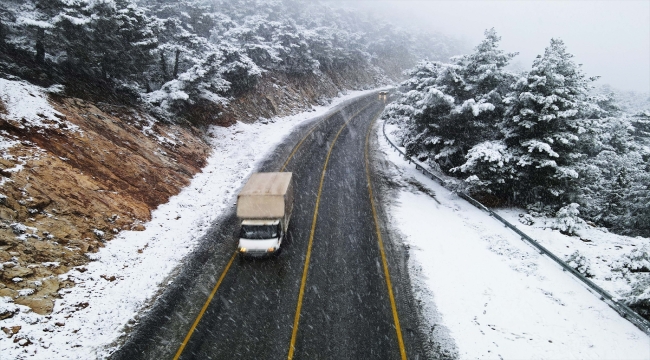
{"x": 40, "y": 48}
{"x": 3, "y": 34}
{"x": 178, "y": 54}
{"x": 163, "y": 66}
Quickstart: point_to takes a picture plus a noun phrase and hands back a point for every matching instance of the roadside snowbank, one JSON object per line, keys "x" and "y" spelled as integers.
{"x": 495, "y": 294}
{"x": 125, "y": 275}
{"x": 619, "y": 264}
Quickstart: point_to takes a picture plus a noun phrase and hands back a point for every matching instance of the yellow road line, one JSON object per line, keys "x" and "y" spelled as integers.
{"x": 303, "y": 140}
{"x": 205, "y": 306}
{"x": 301, "y": 293}
{"x": 384, "y": 262}
{"x": 311, "y": 131}
{"x": 225, "y": 271}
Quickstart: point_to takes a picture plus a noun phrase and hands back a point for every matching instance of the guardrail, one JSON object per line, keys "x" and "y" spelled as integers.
{"x": 620, "y": 308}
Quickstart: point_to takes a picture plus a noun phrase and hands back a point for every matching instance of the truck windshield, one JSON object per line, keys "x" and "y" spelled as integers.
{"x": 259, "y": 232}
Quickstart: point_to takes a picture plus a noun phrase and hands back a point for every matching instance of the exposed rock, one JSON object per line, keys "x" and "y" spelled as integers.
{"x": 22, "y": 341}
{"x": 39, "y": 306}
{"x": 5, "y": 314}
{"x": 15, "y": 272}
{"x": 7, "y": 309}
{"x": 11, "y": 331}
{"x": 138, "y": 227}
{"x": 281, "y": 94}
{"x": 8, "y": 292}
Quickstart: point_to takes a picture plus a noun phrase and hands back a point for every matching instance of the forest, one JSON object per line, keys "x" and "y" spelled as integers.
{"x": 178, "y": 58}
{"x": 544, "y": 139}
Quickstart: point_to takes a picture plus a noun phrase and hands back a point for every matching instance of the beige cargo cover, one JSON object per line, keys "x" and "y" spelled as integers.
{"x": 265, "y": 196}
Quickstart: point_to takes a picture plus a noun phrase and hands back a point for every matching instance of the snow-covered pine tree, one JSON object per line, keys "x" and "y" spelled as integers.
{"x": 180, "y": 46}
{"x": 450, "y": 108}
{"x": 293, "y": 50}
{"x": 8, "y": 16}
{"x": 32, "y": 22}
{"x": 639, "y": 201}
{"x": 73, "y": 39}
{"x": 238, "y": 69}
{"x": 542, "y": 127}
{"x": 254, "y": 37}
{"x": 612, "y": 188}
{"x": 198, "y": 88}
{"x": 123, "y": 38}
{"x": 641, "y": 123}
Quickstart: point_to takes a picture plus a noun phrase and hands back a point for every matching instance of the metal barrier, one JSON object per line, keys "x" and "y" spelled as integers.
{"x": 620, "y": 308}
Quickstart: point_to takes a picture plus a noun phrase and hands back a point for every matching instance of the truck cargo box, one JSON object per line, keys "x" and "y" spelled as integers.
{"x": 266, "y": 196}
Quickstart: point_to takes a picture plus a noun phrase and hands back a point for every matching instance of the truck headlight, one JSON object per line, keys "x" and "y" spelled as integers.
{"x": 271, "y": 249}
{"x": 242, "y": 249}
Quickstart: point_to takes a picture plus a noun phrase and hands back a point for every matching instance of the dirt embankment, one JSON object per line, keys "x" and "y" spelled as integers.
{"x": 64, "y": 193}
{"x": 67, "y": 192}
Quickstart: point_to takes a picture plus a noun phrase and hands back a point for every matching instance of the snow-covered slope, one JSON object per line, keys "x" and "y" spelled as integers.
{"x": 497, "y": 296}
{"x": 28, "y": 104}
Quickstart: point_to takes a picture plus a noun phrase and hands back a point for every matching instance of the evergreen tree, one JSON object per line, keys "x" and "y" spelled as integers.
{"x": 452, "y": 107}
{"x": 123, "y": 38}
{"x": 254, "y": 37}
{"x": 543, "y": 124}
{"x": 293, "y": 50}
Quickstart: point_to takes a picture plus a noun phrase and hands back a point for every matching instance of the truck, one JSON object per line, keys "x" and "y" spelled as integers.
{"x": 264, "y": 207}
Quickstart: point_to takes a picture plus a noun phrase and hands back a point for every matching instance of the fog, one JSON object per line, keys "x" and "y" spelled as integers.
{"x": 610, "y": 38}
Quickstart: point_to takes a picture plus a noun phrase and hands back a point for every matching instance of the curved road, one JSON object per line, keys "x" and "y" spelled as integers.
{"x": 327, "y": 296}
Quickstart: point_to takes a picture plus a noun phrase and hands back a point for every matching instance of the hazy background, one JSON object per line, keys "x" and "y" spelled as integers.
{"x": 610, "y": 38}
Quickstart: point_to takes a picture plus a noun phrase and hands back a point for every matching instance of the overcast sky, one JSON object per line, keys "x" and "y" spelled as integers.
{"x": 610, "y": 38}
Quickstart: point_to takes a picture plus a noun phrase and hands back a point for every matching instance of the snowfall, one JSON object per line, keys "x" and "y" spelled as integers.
{"x": 495, "y": 295}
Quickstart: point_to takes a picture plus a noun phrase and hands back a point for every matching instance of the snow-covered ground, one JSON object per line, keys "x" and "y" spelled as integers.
{"x": 28, "y": 105}
{"x": 495, "y": 294}
{"x": 91, "y": 316}
{"x": 619, "y": 264}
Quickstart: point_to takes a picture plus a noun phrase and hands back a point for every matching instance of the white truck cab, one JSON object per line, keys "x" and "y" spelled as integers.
{"x": 260, "y": 236}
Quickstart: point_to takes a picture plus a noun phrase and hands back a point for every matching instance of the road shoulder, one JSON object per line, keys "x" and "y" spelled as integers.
{"x": 422, "y": 325}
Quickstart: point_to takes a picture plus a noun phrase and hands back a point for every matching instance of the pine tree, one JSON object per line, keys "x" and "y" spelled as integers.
{"x": 8, "y": 17}
{"x": 293, "y": 50}
{"x": 543, "y": 124}
{"x": 122, "y": 39}
{"x": 453, "y": 107}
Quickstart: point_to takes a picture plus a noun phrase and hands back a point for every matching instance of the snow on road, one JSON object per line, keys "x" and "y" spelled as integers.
{"x": 496, "y": 295}
{"x": 126, "y": 275}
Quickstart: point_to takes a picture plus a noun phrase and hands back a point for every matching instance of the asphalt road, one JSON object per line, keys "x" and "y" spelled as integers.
{"x": 341, "y": 304}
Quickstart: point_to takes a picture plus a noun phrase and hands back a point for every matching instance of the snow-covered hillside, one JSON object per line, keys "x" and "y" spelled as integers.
{"x": 493, "y": 294}
{"x": 189, "y": 59}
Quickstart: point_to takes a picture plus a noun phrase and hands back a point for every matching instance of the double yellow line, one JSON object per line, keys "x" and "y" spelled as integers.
{"x": 301, "y": 294}
{"x": 234, "y": 255}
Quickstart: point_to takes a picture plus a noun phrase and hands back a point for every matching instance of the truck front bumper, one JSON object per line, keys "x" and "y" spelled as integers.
{"x": 258, "y": 248}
